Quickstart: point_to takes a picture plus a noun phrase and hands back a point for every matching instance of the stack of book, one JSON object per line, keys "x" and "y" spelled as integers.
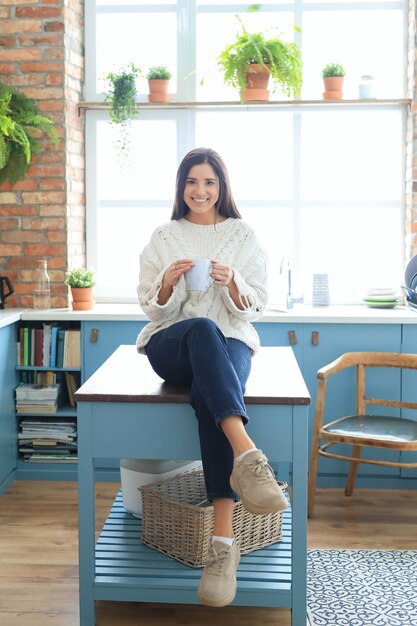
{"x": 37, "y": 398}
{"x": 52, "y": 440}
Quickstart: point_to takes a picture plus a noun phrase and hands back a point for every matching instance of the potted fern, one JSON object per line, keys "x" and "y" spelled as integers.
{"x": 81, "y": 280}
{"x": 121, "y": 98}
{"x": 333, "y": 76}
{"x": 22, "y": 128}
{"x": 158, "y": 80}
{"x": 248, "y": 62}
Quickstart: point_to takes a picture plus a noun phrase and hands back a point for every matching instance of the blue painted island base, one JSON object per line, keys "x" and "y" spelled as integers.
{"x": 127, "y": 570}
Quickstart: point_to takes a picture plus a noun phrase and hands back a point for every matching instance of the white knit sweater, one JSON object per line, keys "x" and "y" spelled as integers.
{"x": 233, "y": 243}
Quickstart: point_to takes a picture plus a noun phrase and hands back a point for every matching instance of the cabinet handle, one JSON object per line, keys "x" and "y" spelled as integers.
{"x": 292, "y": 337}
{"x": 315, "y": 337}
{"x": 94, "y": 335}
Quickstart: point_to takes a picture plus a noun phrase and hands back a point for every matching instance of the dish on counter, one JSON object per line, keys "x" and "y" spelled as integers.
{"x": 381, "y": 304}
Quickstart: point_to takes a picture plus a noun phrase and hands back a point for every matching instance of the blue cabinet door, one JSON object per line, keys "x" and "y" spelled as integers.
{"x": 409, "y": 391}
{"x": 100, "y": 340}
{"x": 8, "y": 429}
{"x": 331, "y": 341}
{"x": 285, "y": 334}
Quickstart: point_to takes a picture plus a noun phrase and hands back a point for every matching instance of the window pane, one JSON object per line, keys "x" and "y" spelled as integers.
{"x": 358, "y": 247}
{"x": 121, "y": 236}
{"x": 356, "y": 155}
{"x": 256, "y": 147}
{"x": 327, "y": 38}
{"x": 132, "y": 2}
{"x": 215, "y": 31}
{"x": 274, "y": 230}
{"x": 149, "y": 172}
{"x": 130, "y": 37}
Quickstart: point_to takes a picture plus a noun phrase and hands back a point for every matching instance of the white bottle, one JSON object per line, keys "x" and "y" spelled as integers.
{"x": 42, "y": 292}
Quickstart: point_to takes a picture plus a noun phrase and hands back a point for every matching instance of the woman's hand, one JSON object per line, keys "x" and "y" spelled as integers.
{"x": 221, "y": 274}
{"x": 175, "y": 271}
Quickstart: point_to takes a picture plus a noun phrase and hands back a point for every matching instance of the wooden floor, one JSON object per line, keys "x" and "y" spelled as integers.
{"x": 38, "y": 554}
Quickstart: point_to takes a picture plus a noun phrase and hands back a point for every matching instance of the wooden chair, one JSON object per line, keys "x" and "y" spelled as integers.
{"x": 364, "y": 428}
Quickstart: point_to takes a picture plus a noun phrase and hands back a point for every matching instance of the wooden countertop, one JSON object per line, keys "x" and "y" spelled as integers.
{"x": 127, "y": 376}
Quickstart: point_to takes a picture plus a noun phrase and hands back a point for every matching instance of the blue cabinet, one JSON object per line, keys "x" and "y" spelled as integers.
{"x": 8, "y": 433}
{"x": 100, "y": 340}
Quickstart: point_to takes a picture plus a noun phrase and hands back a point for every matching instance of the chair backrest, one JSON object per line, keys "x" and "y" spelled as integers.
{"x": 362, "y": 360}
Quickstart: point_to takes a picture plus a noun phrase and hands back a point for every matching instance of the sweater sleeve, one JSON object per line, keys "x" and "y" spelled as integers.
{"x": 251, "y": 285}
{"x": 151, "y": 276}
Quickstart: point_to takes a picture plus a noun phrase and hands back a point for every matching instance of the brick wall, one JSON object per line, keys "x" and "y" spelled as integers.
{"x": 43, "y": 216}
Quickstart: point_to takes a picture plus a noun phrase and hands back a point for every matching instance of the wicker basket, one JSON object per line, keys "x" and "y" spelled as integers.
{"x": 177, "y": 520}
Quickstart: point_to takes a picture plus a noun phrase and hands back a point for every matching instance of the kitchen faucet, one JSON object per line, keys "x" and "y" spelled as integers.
{"x": 286, "y": 267}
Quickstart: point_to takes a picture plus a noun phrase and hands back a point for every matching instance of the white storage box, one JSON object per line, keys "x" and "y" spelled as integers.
{"x": 135, "y": 473}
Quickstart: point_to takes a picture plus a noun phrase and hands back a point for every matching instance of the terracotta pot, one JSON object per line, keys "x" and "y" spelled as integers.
{"x": 333, "y": 88}
{"x": 158, "y": 90}
{"x": 82, "y": 298}
{"x": 257, "y": 79}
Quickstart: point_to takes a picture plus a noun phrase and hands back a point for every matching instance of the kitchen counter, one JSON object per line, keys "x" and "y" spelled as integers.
{"x": 336, "y": 314}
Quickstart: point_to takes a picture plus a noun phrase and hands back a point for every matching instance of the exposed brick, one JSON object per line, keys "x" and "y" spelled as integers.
{"x": 7, "y": 68}
{"x": 44, "y": 250}
{"x": 10, "y": 249}
{"x": 51, "y": 105}
{"x": 45, "y": 93}
{"x": 51, "y": 27}
{"x": 18, "y": 210}
{"x": 24, "y": 80}
{"x": 43, "y": 223}
{"x": 23, "y": 236}
{"x": 7, "y": 42}
{"x": 46, "y": 170}
{"x": 42, "y": 67}
{"x": 8, "y": 197}
{"x": 4, "y": 13}
{"x": 41, "y": 12}
{"x": 8, "y": 224}
{"x": 27, "y": 184}
{"x": 54, "y": 79}
{"x": 56, "y": 184}
{"x": 23, "y": 54}
{"x": 20, "y": 26}
{"x": 44, "y": 197}
{"x": 56, "y": 237}
{"x": 41, "y": 39}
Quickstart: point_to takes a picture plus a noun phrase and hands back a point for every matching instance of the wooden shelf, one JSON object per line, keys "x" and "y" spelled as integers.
{"x": 271, "y": 104}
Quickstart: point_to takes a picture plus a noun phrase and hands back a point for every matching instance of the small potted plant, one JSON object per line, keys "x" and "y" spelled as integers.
{"x": 121, "y": 96}
{"x": 158, "y": 80}
{"x": 249, "y": 61}
{"x": 81, "y": 281}
{"x": 21, "y": 130}
{"x": 333, "y": 76}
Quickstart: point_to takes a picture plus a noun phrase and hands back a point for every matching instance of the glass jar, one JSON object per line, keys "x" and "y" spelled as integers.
{"x": 367, "y": 87}
{"x": 42, "y": 292}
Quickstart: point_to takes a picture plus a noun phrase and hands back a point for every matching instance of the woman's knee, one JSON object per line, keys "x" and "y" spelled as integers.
{"x": 203, "y": 326}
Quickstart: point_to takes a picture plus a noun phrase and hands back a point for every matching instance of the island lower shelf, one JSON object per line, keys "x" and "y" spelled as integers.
{"x": 127, "y": 570}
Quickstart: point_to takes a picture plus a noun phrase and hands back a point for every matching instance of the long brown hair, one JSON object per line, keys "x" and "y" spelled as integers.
{"x": 225, "y": 205}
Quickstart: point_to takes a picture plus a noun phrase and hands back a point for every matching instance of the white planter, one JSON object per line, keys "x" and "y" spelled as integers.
{"x": 135, "y": 473}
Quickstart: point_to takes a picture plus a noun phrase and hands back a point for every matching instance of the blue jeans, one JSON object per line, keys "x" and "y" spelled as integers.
{"x": 195, "y": 352}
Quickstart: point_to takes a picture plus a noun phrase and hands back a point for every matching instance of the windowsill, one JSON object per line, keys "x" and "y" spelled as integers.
{"x": 270, "y": 104}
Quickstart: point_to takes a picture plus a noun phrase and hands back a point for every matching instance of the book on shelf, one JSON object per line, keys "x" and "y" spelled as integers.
{"x": 51, "y": 345}
{"x": 72, "y": 387}
{"x": 50, "y": 458}
{"x": 38, "y": 409}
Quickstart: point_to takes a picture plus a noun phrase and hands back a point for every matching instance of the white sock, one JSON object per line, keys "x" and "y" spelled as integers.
{"x": 240, "y": 457}
{"x": 227, "y": 540}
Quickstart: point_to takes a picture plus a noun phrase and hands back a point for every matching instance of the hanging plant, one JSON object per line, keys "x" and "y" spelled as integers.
{"x": 121, "y": 96}
{"x": 21, "y": 129}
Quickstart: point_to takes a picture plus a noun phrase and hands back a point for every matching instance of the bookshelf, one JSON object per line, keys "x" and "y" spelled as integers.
{"x": 48, "y": 373}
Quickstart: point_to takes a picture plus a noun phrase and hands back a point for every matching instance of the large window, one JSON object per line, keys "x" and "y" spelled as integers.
{"x": 322, "y": 184}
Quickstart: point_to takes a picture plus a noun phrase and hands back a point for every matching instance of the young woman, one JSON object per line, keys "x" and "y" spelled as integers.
{"x": 205, "y": 339}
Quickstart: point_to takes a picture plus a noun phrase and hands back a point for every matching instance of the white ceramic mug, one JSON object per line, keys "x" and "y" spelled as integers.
{"x": 198, "y": 277}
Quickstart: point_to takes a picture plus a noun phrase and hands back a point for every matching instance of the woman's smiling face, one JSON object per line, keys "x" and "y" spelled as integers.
{"x": 201, "y": 193}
